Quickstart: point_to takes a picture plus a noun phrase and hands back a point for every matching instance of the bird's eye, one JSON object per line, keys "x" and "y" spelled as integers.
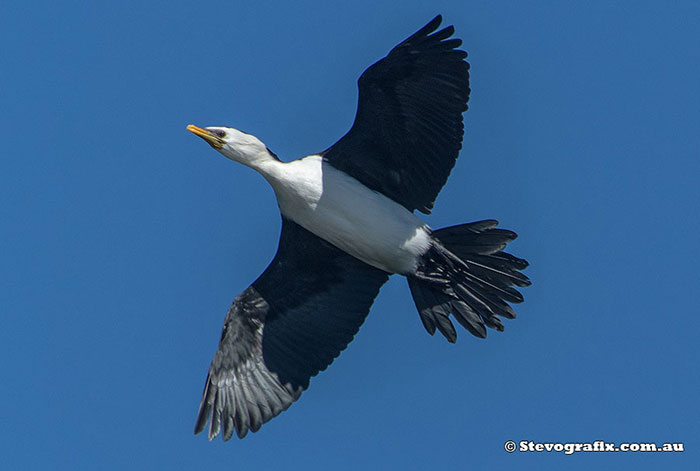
{"x": 220, "y": 133}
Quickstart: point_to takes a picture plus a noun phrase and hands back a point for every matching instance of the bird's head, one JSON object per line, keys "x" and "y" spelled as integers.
{"x": 234, "y": 144}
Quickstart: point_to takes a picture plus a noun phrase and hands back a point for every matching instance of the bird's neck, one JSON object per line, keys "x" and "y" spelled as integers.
{"x": 263, "y": 162}
{"x": 266, "y": 164}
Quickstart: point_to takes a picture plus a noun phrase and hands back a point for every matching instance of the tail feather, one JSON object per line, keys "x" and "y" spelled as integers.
{"x": 469, "y": 318}
{"x": 480, "y": 237}
{"x": 497, "y": 274}
{"x": 465, "y": 273}
{"x": 438, "y": 315}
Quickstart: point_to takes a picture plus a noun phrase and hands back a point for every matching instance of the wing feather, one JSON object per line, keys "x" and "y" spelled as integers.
{"x": 408, "y": 129}
{"x": 291, "y": 323}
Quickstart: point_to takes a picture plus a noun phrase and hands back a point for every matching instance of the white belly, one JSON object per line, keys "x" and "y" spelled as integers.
{"x": 339, "y": 209}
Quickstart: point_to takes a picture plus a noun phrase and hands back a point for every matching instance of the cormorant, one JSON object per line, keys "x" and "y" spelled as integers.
{"x": 347, "y": 225}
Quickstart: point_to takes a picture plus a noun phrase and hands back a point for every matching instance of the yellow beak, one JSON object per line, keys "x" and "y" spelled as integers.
{"x": 212, "y": 139}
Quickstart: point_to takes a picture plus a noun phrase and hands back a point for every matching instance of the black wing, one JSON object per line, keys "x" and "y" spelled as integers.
{"x": 285, "y": 328}
{"x": 408, "y": 129}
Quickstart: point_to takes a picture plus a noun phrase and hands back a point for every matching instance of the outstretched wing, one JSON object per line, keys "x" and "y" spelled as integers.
{"x": 408, "y": 128}
{"x": 291, "y": 323}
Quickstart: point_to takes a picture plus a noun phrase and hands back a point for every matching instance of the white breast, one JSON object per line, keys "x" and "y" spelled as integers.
{"x": 339, "y": 209}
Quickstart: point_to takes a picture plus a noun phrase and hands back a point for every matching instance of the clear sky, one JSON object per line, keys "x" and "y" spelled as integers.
{"x": 124, "y": 238}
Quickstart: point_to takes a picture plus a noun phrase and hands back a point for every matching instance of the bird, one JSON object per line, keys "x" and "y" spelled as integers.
{"x": 348, "y": 224}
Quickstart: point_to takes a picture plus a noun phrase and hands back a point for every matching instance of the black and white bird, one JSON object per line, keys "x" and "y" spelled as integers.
{"x": 348, "y": 223}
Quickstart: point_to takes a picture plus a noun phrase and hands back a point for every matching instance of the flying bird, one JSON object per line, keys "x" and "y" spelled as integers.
{"x": 348, "y": 223}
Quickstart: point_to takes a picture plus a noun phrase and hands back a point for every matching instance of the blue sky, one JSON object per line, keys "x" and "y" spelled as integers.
{"x": 124, "y": 238}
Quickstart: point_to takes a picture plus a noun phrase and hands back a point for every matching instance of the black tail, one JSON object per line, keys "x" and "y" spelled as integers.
{"x": 466, "y": 273}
